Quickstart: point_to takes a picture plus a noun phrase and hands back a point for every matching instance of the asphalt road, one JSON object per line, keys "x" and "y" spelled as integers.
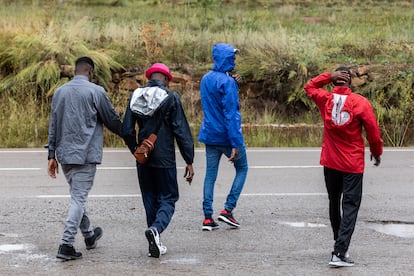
{"x": 283, "y": 213}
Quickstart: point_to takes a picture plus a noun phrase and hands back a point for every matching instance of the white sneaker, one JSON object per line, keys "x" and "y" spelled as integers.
{"x": 154, "y": 242}
{"x": 163, "y": 249}
{"x": 340, "y": 261}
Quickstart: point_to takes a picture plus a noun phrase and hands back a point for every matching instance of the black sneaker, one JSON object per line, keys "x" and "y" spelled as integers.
{"x": 209, "y": 225}
{"x": 163, "y": 250}
{"x": 228, "y": 218}
{"x": 91, "y": 242}
{"x": 154, "y": 242}
{"x": 67, "y": 252}
{"x": 339, "y": 260}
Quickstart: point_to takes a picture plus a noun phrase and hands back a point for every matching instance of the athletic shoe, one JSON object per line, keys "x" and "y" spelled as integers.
{"x": 67, "y": 252}
{"x": 209, "y": 224}
{"x": 154, "y": 242}
{"x": 91, "y": 242}
{"x": 228, "y": 218}
{"x": 338, "y": 260}
{"x": 163, "y": 250}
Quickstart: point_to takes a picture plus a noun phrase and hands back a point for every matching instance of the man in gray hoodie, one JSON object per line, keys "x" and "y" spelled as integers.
{"x": 79, "y": 111}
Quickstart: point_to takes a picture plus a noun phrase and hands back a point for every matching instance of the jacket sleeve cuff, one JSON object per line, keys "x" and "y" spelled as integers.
{"x": 51, "y": 154}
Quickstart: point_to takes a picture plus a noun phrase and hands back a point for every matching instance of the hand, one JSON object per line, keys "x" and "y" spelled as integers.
{"x": 189, "y": 173}
{"x": 52, "y": 168}
{"x": 237, "y": 78}
{"x": 377, "y": 160}
{"x": 340, "y": 77}
{"x": 234, "y": 154}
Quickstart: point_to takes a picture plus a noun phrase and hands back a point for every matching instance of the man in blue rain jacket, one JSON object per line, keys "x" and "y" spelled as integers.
{"x": 221, "y": 132}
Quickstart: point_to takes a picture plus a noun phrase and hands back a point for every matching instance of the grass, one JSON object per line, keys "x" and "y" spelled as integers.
{"x": 283, "y": 44}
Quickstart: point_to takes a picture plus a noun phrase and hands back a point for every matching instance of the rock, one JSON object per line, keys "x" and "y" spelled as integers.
{"x": 116, "y": 78}
{"x": 181, "y": 78}
{"x": 128, "y": 84}
{"x": 66, "y": 71}
{"x": 362, "y": 70}
{"x": 141, "y": 79}
{"x": 358, "y": 81}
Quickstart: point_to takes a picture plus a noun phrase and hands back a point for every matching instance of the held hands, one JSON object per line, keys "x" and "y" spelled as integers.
{"x": 377, "y": 160}
{"x": 52, "y": 168}
{"x": 234, "y": 155}
{"x": 189, "y": 173}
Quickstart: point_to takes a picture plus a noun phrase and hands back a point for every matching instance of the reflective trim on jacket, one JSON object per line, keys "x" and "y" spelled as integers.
{"x": 174, "y": 128}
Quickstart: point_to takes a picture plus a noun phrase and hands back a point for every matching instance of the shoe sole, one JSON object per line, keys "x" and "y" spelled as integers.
{"x": 95, "y": 244}
{"x": 67, "y": 257}
{"x": 340, "y": 264}
{"x": 229, "y": 222}
{"x": 210, "y": 228}
{"x": 154, "y": 251}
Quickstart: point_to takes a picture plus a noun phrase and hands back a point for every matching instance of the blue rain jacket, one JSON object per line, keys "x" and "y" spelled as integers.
{"x": 220, "y": 100}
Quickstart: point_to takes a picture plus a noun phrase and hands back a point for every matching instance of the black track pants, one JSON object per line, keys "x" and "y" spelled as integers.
{"x": 349, "y": 187}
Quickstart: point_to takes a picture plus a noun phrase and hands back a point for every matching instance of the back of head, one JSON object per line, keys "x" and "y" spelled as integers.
{"x": 346, "y": 70}
{"x": 84, "y": 64}
{"x": 224, "y": 57}
{"x": 159, "y": 68}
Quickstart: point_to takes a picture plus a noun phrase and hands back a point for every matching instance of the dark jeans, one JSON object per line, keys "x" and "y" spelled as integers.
{"x": 159, "y": 189}
{"x": 349, "y": 187}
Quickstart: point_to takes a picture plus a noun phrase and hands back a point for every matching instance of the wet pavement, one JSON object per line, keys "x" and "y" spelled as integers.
{"x": 283, "y": 213}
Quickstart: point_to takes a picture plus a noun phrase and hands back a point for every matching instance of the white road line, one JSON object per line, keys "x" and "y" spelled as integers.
{"x": 180, "y": 168}
{"x": 116, "y": 168}
{"x": 90, "y": 196}
{"x": 20, "y": 169}
{"x": 284, "y": 194}
{"x": 283, "y": 167}
{"x": 315, "y": 149}
{"x": 138, "y": 195}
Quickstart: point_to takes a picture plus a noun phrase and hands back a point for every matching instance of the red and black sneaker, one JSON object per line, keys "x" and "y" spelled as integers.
{"x": 228, "y": 218}
{"x": 209, "y": 224}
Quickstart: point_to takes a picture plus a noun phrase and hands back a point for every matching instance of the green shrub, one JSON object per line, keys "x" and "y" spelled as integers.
{"x": 283, "y": 44}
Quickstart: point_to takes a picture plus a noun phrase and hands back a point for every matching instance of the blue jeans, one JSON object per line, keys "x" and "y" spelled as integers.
{"x": 213, "y": 155}
{"x": 80, "y": 179}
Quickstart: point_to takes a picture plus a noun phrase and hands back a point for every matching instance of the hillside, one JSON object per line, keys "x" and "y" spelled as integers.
{"x": 283, "y": 44}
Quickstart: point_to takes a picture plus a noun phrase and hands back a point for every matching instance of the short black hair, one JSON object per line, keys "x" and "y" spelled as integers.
{"x": 86, "y": 60}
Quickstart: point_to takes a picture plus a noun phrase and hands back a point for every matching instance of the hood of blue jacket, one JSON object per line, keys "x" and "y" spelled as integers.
{"x": 223, "y": 57}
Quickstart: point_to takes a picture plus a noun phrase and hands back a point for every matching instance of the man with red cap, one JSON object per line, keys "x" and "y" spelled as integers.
{"x": 158, "y": 110}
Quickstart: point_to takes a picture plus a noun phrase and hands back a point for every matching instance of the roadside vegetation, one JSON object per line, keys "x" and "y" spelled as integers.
{"x": 283, "y": 44}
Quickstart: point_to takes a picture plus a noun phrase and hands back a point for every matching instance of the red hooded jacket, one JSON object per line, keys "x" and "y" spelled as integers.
{"x": 344, "y": 113}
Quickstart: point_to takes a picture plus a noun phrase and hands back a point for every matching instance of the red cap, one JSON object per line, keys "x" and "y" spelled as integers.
{"x": 159, "y": 68}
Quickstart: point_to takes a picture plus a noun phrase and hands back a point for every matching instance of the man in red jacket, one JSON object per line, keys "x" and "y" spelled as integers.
{"x": 344, "y": 113}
